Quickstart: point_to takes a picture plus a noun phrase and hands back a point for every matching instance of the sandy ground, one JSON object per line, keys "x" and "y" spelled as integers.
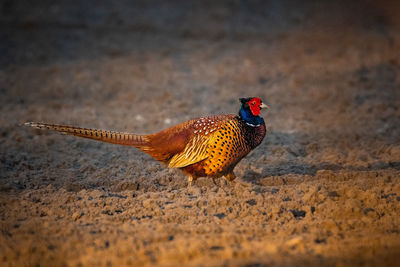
{"x": 323, "y": 188}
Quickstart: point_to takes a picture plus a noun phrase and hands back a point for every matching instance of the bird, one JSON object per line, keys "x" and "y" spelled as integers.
{"x": 209, "y": 146}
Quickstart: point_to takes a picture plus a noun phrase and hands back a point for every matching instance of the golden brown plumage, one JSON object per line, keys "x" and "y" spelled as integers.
{"x": 208, "y": 146}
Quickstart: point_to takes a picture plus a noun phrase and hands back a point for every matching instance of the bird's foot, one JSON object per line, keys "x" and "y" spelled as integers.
{"x": 221, "y": 186}
{"x": 190, "y": 181}
{"x": 215, "y": 182}
{"x": 230, "y": 177}
{"x": 241, "y": 183}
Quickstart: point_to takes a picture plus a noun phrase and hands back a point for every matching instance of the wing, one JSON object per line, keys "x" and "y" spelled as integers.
{"x": 197, "y": 149}
{"x": 186, "y": 143}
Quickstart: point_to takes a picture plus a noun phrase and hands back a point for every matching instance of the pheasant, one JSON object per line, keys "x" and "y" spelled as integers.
{"x": 204, "y": 147}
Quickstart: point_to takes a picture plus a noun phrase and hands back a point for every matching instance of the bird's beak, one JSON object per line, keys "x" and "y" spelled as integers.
{"x": 263, "y": 106}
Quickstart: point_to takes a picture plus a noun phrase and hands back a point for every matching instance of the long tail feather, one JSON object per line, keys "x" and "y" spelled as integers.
{"x": 119, "y": 138}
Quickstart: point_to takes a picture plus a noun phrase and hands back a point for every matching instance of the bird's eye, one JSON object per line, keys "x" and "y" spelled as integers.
{"x": 252, "y": 103}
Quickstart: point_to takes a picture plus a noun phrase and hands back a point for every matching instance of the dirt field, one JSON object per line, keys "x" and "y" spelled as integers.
{"x": 322, "y": 189}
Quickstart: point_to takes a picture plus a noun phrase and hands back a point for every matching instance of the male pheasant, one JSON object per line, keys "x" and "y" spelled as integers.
{"x": 204, "y": 147}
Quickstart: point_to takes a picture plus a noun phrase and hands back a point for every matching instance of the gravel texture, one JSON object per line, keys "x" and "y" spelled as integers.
{"x": 322, "y": 189}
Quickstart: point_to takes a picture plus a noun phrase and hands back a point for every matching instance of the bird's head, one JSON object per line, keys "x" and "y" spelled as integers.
{"x": 250, "y": 110}
{"x": 254, "y": 104}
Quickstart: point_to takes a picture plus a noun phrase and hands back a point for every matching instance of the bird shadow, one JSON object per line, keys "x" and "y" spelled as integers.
{"x": 292, "y": 148}
{"x": 312, "y": 169}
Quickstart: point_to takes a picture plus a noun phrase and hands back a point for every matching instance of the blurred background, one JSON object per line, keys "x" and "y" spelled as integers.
{"x": 329, "y": 70}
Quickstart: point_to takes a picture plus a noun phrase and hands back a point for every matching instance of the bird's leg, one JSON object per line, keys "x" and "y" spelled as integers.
{"x": 213, "y": 178}
{"x": 190, "y": 180}
{"x": 230, "y": 176}
{"x": 219, "y": 186}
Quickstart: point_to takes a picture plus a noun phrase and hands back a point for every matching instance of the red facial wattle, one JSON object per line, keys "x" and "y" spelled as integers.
{"x": 254, "y": 105}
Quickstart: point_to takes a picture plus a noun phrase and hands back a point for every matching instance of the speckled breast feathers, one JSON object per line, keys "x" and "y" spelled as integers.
{"x": 217, "y": 144}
